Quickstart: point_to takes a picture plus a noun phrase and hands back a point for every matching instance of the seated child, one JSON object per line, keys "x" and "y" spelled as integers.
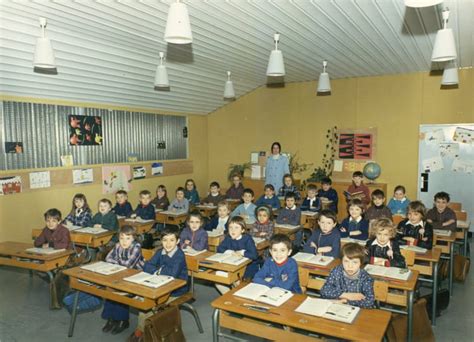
{"x": 240, "y": 244}
{"x": 398, "y": 205}
{"x": 269, "y": 198}
{"x": 236, "y": 191}
{"x": 214, "y": 195}
{"x": 193, "y": 235}
{"x": 440, "y": 216}
{"x": 382, "y": 247}
{"x": 190, "y": 192}
{"x": 54, "y": 235}
{"x": 105, "y": 218}
{"x": 144, "y": 210}
{"x": 123, "y": 206}
{"x": 377, "y": 209}
{"x": 280, "y": 270}
{"x": 80, "y": 214}
{"x": 246, "y": 210}
{"x": 221, "y": 220}
{"x": 180, "y": 203}
{"x": 350, "y": 283}
{"x": 327, "y": 239}
{"x": 355, "y": 226}
{"x": 263, "y": 227}
{"x": 161, "y": 200}
{"x": 415, "y": 231}
{"x": 311, "y": 202}
{"x": 327, "y": 195}
{"x": 127, "y": 252}
{"x": 291, "y": 214}
{"x": 170, "y": 261}
{"x": 358, "y": 190}
{"x": 288, "y": 186}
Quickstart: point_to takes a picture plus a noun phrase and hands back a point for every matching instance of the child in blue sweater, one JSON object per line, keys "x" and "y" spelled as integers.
{"x": 327, "y": 239}
{"x": 170, "y": 261}
{"x": 220, "y": 222}
{"x": 398, "y": 205}
{"x": 246, "y": 210}
{"x": 191, "y": 194}
{"x": 123, "y": 206}
{"x": 349, "y": 283}
{"x": 311, "y": 202}
{"x": 355, "y": 226}
{"x": 327, "y": 195}
{"x": 269, "y": 199}
{"x": 145, "y": 210}
{"x": 291, "y": 214}
{"x": 241, "y": 244}
{"x": 193, "y": 235}
{"x": 180, "y": 203}
{"x": 280, "y": 270}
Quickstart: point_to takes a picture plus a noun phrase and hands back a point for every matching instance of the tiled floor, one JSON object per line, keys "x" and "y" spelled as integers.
{"x": 24, "y": 314}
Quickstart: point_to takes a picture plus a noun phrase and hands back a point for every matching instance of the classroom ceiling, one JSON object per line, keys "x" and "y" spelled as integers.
{"x": 107, "y": 51}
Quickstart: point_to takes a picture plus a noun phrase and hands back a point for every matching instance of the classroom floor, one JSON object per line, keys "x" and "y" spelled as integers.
{"x": 24, "y": 314}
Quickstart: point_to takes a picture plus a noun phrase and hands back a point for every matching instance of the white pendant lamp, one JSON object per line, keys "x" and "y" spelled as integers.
{"x": 444, "y": 47}
{"x": 276, "y": 66}
{"x": 44, "y": 54}
{"x": 229, "y": 92}
{"x": 450, "y": 74}
{"x": 161, "y": 76}
{"x": 324, "y": 84}
{"x": 178, "y": 26}
{"x": 422, "y": 3}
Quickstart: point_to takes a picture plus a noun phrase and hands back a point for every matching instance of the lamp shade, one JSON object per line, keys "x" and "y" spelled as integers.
{"x": 324, "y": 84}
{"x": 44, "y": 55}
{"x": 450, "y": 74}
{"x": 161, "y": 77}
{"x": 178, "y": 26}
{"x": 229, "y": 92}
{"x": 276, "y": 66}
{"x": 444, "y": 47}
{"x": 422, "y": 3}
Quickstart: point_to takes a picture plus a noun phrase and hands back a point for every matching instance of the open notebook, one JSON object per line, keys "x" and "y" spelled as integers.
{"x": 260, "y": 293}
{"x": 174, "y": 212}
{"x": 442, "y": 232}
{"x": 44, "y": 251}
{"x": 258, "y": 240}
{"x": 150, "y": 280}
{"x": 348, "y": 239}
{"x": 215, "y": 232}
{"x": 192, "y": 252}
{"x": 138, "y": 220}
{"x": 327, "y": 309}
{"x": 286, "y": 226}
{"x": 72, "y": 227}
{"x": 415, "y": 249}
{"x": 388, "y": 272}
{"x": 103, "y": 267}
{"x": 230, "y": 259}
{"x": 313, "y": 259}
{"x": 91, "y": 230}
{"x": 309, "y": 213}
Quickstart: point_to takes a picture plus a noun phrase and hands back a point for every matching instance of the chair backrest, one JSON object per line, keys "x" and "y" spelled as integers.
{"x": 192, "y": 264}
{"x": 461, "y": 215}
{"x": 380, "y": 290}
{"x": 409, "y": 257}
{"x": 396, "y": 219}
{"x": 148, "y": 253}
{"x": 456, "y": 206}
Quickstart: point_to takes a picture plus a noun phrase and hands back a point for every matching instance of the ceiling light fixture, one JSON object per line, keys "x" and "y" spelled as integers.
{"x": 229, "y": 92}
{"x": 44, "y": 54}
{"x": 444, "y": 47}
{"x": 422, "y": 3}
{"x": 276, "y": 66}
{"x": 161, "y": 76}
{"x": 324, "y": 84}
{"x": 178, "y": 26}
{"x": 450, "y": 74}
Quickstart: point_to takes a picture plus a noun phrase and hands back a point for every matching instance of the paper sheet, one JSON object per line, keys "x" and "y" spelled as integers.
{"x": 81, "y": 176}
{"x": 434, "y": 137}
{"x": 463, "y": 166}
{"x": 40, "y": 180}
{"x": 449, "y": 150}
{"x": 254, "y": 157}
{"x": 256, "y": 172}
{"x": 115, "y": 178}
{"x": 66, "y": 160}
{"x": 10, "y": 185}
{"x": 463, "y": 135}
{"x": 139, "y": 172}
{"x": 337, "y": 166}
{"x": 433, "y": 164}
{"x": 157, "y": 169}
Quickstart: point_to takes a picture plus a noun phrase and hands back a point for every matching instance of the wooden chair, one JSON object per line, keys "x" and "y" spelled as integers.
{"x": 409, "y": 257}
{"x": 380, "y": 292}
{"x": 148, "y": 253}
{"x": 461, "y": 215}
{"x": 456, "y": 206}
{"x": 396, "y": 219}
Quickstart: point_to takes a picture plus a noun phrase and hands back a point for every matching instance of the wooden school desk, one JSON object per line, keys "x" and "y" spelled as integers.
{"x": 106, "y": 287}
{"x": 308, "y": 221}
{"x": 370, "y": 325}
{"x": 207, "y": 210}
{"x": 462, "y": 233}
{"x": 403, "y": 299}
{"x": 168, "y": 217}
{"x": 233, "y": 203}
{"x": 140, "y": 227}
{"x": 447, "y": 247}
{"x": 427, "y": 265}
{"x": 209, "y": 269}
{"x": 291, "y": 233}
{"x": 214, "y": 242}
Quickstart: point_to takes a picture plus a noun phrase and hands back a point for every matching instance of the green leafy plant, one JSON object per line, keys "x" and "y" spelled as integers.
{"x": 327, "y": 162}
{"x": 295, "y": 166}
{"x": 237, "y": 169}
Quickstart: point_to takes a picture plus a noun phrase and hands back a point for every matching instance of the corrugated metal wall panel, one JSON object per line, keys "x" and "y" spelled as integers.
{"x": 43, "y": 129}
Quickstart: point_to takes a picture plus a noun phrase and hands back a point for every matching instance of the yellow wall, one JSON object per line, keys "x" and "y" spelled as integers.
{"x": 20, "y": 213}
{"x": 296, "y": 117}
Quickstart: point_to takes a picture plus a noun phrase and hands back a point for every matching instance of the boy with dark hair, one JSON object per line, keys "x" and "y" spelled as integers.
{"x": 145, "y": 210}
{"x": 123, "y": 206}
{"x": 54, "y": 235}
{"x": 440, "y": 216}
{"x": 214, "y": 196}
{"x": 358, "y": 189}
{"x": 327, "y": 195}
{"x": 378, "y": 209}
{"x": 246, "y": 210}
{"x": 268, "y": 198}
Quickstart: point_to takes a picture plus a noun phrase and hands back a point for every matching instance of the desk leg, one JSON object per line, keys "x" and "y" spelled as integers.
{"x": 466, "y": 234}
{"x": 50, "y": 276}
{"x": 451, "y": 268}
{"x": 410, "y": 316}
{"x": 215, "y": 325}
{"x": 73, "y": 315}
{"x": 435, "y": 293}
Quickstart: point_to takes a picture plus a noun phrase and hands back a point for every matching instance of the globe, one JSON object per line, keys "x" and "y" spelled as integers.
{"x": 372, "y": 171}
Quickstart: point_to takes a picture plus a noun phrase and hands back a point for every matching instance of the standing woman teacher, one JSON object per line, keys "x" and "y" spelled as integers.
{"x": 277, "y": 166}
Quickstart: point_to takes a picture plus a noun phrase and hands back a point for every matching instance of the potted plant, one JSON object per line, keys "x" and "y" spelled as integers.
{"x": 237, "y": 169}
{"x": 325, "y": 170}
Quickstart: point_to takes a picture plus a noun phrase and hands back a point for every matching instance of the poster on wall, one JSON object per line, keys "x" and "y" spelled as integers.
{"x": 41, "y": 179}
{"x": 139, "y": 172}
{"x": 115, "y": 178}
{"x": 157, "y": 169}
{"x": 10, "y": 185}
{"x": 356, "y": 144}
{"x": 13, "y": 147}
{"x": 85, "y": 130}
{"x": 82, "y": 176}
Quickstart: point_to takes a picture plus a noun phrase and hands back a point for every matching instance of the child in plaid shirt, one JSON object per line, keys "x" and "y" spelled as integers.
{"x": 80, "y": 214}
{"x": 289, "y": 187}
{"x": 263, "y": 227}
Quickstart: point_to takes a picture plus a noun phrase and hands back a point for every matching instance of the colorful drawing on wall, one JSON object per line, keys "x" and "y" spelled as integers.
{"x": 13, "y": 147}
{"x": 115, "y": 178}
{"x": 139, "y": 172}
{"x": 355, "y": 146}
{"x": 85, "y": 130}
{"x": 10, "y": 185}
{"x": 463, "y": 135}
{"x": 157, "y": 169}
{"x": 39, "y": 180}
{"x": 82, "y": 176}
